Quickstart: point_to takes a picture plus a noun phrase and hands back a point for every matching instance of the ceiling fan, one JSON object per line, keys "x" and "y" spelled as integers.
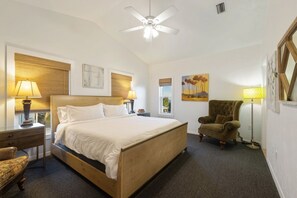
{"x": 151, "y": 24}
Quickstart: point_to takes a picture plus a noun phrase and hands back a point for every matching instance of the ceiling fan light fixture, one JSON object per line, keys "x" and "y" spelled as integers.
{"x": 150, "y": 32}
{"x": 147, "y": 32}
{"x": 155, "y": 33}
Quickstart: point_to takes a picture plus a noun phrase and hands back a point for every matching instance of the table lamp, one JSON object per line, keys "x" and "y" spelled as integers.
{"x": 132, "y": 96}
{"x": 26, "y": 89}
{"x": 253, "y": 93}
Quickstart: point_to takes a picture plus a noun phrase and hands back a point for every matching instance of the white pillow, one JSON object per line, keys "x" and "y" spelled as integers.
{"x": 80, "y": 113}
{"x": 115, "y": 110}
{"x": 62, "y": 114}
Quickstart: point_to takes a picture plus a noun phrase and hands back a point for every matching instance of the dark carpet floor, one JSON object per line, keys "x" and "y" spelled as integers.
{"x": 203, "y": 171}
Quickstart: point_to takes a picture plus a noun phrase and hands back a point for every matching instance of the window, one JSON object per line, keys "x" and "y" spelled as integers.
{"x": 52, "y": 78}
{"x": 40, "y": 117}
{"x": 165, "y": 96}
{"x": 120, "y": 84}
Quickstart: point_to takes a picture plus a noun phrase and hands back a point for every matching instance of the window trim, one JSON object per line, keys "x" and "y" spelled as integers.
{"x": 24, "y": 63}
{"x": 167, "y": 115}
{"x": 19, "y": 117}
{"x": 121, "y": 73}
{"x": 11, "y": 49}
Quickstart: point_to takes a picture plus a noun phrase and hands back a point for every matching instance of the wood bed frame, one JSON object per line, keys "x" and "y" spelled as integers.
{"x": 137, "y": 163}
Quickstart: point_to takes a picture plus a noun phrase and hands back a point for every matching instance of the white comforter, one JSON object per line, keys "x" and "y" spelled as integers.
{"x": 102, "y": 139}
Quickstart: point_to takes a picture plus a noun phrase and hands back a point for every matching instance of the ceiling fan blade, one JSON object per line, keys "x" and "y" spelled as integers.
{"x": 133, "y": 29}
{"x": 136, "y": 14}
{"x": 165, "y": 15}
{"x": 167, "y": 30}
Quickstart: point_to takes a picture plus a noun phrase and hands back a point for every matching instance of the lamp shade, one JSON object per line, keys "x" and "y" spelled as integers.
{"x": 131, "y": 95}
{"x": 253, "y": 93}
{"x": 26, "y": 89}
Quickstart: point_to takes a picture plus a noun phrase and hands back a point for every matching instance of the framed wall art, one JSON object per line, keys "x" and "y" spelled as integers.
{"x": 195, "y": 87}
{"x": 272, "y": 83}
{"x": 92, "y": 76}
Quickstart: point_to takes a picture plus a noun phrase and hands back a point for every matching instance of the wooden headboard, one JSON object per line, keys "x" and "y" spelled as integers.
{"x": 63, "y": 100}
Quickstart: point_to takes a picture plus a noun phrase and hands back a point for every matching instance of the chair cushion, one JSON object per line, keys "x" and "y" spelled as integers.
{"x": 221, "y": 119}
{"x": 7, "y": 153}
{"x": 206, "y": 119}
{"x": 9, "y": 169}
{"x": 211, "y": 127}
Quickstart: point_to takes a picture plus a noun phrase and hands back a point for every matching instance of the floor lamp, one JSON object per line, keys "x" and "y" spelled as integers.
{"x": 253, "y": 93}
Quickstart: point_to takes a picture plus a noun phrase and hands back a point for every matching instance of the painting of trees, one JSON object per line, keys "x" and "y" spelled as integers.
{"x": 195, "y": 87}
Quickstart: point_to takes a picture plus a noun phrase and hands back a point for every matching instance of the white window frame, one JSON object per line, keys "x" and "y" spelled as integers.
{"x": 161, "y": 99}
{"x": 11, "y": 119}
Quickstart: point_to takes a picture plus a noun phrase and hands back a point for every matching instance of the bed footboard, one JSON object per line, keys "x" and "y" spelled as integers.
{"x": 91, "y": 173}
{"x": 138, "y": 163}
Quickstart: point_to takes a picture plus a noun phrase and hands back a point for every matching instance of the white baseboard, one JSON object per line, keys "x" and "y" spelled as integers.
{"x": 279, "y": 189}
{"x": 196, "y": 133}
{"x": 192, "y": 132}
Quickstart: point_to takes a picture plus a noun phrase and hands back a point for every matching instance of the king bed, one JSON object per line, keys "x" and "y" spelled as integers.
{"x": 142, "y": 147}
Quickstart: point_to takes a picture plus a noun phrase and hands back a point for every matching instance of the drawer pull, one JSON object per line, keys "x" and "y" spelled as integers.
{"x": 10, "y": 135}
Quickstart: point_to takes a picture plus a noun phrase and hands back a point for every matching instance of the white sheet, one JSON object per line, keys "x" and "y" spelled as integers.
{"x": 102, "y": 139}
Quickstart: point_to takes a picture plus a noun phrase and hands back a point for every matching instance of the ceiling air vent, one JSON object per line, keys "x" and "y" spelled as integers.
{"x": 220, "y": 8}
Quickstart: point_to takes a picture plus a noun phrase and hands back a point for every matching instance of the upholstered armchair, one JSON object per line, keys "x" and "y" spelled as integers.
{"x": 222, "y": 122}
{"x": 11, "y": 169}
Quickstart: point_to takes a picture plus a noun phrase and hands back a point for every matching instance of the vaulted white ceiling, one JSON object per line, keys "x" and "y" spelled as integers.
{"x": 201, "y": 30}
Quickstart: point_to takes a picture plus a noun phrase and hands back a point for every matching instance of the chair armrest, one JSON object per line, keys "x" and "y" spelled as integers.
{"x": 205, "y": 119}
{"x": 7, "y": 153}
{"x": 230, "y": 125}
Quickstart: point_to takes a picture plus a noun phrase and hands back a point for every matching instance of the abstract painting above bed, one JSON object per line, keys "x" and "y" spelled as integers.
{"x": 93, "y": 76}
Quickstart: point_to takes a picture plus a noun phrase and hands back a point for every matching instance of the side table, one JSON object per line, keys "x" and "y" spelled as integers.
{"x": 24, "y": 137}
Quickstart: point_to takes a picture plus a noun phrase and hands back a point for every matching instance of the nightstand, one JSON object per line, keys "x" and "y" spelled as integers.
{"x": 24, "y": 137}
{"x": 145, "y": 114}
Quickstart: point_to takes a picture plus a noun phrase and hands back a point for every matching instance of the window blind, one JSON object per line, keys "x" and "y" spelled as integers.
{"x": 165, "y": 82}
{"x": 52, "y": 78}
{"x": 120, "y": 85}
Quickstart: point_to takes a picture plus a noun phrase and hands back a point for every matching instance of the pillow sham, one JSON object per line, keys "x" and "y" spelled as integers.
{"x": 80, "y": 113}
{"x": 221, "y": 119}
{"x": 62, "y": 114}
{"x": 115, "y": 110}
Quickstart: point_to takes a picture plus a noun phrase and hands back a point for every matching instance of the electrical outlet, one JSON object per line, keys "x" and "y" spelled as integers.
{"x": 275, "y": 153}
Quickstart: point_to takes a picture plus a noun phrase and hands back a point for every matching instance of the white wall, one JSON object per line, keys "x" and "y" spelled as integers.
{"x": 74, "y": 39}
{"x": 281, "y": 132}
{"x": 229, "y": 72}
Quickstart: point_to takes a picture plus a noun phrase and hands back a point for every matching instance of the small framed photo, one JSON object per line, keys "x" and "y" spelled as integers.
{"x": 92, "y": 76}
